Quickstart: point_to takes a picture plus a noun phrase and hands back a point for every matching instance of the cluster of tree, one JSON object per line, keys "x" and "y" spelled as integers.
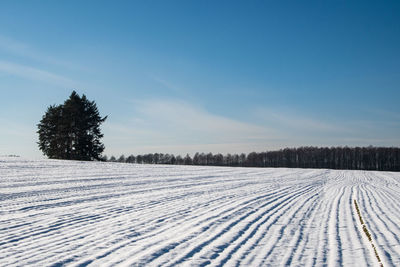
{"x": 71, "y": 130}
{"x": 354, "y": 158}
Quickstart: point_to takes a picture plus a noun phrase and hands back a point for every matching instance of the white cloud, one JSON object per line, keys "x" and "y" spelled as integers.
{"x": 182, "y": 116}
{"x": 298, "y": 122}
{"x": 168, "y": 85}
{"x": 24, "y": 50}
{"x": 35, "y": 74}
{"x": 13, "y": 46}
{"x": 175, "y": 126}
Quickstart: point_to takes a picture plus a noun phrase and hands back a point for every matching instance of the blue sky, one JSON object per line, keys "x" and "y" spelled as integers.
{"x": 209, "y": 76}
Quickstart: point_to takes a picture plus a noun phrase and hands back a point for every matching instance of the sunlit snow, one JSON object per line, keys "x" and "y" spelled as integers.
{"x": 55, "y": 212}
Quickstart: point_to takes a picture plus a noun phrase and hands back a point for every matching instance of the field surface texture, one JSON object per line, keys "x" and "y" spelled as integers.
{"x": 56, "y": 213}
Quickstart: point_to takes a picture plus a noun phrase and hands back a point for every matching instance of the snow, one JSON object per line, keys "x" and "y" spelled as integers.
{"x": 55, "y": 213}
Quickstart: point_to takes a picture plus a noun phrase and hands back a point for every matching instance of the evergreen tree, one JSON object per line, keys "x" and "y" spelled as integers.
{"x": 187, "y": 160}
{"x": 121, "y": 159}
{"x": 131, "y": 159}
{"x": 72, "y": 130}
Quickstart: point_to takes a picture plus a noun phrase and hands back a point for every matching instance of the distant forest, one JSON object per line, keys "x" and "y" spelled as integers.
{"x": 348, "y": 158}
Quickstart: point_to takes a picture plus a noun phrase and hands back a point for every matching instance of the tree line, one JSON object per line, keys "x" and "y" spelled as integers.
{"x": 72, "y": 131}
{"x": 349, "y": 158}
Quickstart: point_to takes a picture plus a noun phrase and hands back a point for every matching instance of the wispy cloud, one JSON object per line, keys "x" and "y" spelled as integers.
{"x": 180, "y": 127}
{"x": 23, "y": 61}
{"x": 167, "y": 84}
{"x": 13, "y": 46}
{"x": 26, "y": 51}
{"x": 36, "y": 74}
{"x": 298, "y": 122}
{"x": 314, "y": 130}
{"x": 185, "y": 117}
{"x": 176, "y": 126}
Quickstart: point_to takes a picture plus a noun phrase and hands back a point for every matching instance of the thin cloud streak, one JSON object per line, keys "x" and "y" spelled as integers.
{"x": 176, "y": 126}
{"x": 13, "y": 46}
{"x": 298, "y": 122}
{"x": 176, "y": 114}
{"x": 26, "y": 51}
{"x": 167, "y": 84}
{"x": 36, "y": 74}
{"x": 314, "y": 131}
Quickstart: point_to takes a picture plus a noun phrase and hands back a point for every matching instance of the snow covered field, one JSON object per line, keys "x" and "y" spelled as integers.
{"x": 87, "y": 213}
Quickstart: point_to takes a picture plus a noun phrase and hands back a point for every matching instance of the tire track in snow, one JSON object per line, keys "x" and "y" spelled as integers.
{"x": 377, "y": 223}
{"x": 367, "y": 233}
